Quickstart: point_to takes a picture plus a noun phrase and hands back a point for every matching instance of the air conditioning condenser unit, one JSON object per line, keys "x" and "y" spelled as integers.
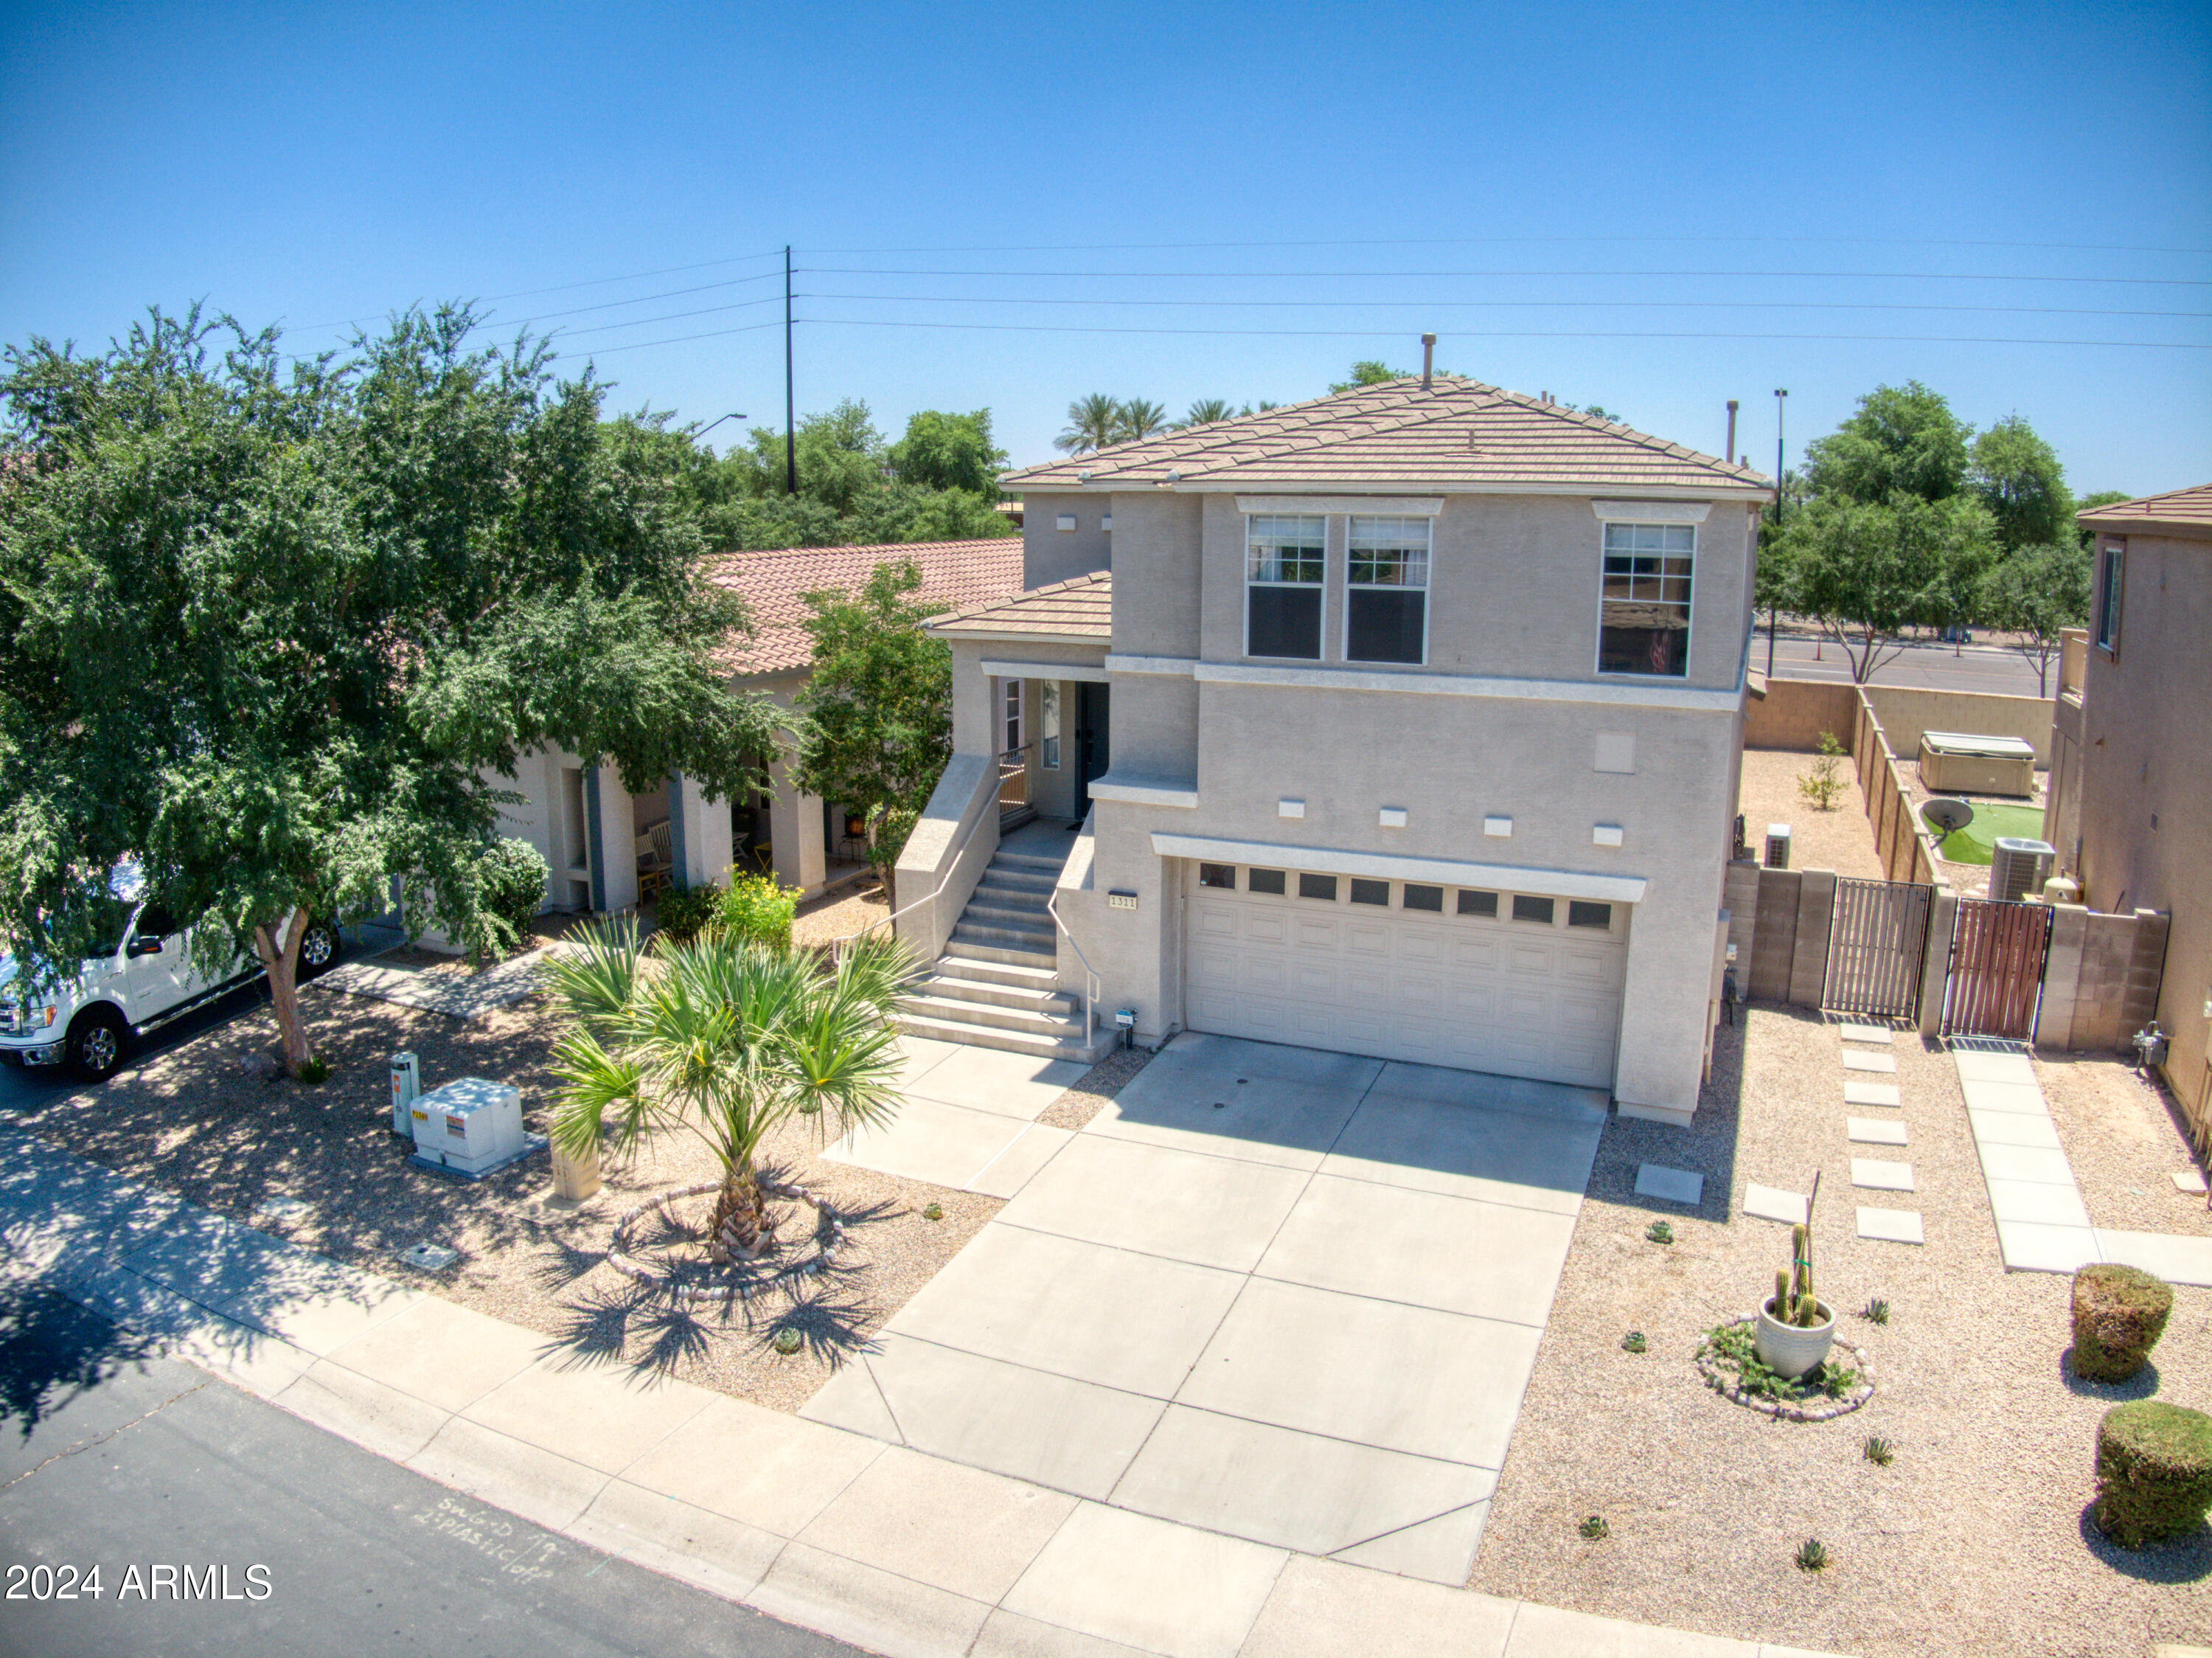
{"x": 2019, "y": 868}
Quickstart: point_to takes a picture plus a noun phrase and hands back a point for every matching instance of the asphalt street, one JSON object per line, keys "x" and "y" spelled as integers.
{"x": 1928, "y": 665}
{"x": 288, "y": 1540}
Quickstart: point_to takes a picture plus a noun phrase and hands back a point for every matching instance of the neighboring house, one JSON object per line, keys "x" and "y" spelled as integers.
{"x": 2131, "y": 759}
{"x": 1406, "y": 724}
{"x": 608, "y": 848}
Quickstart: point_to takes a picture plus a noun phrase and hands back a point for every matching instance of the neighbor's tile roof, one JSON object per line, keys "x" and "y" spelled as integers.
{"x": 1461, "y": 434}
{"x": 2189, "y": 509}
{"x": 774, "y": 586}
{"x": 1079, "y": 609}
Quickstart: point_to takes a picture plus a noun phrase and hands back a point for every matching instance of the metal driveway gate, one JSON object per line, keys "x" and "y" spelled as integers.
{"x": 1876, "y": 947}
{"x": 1997, "y": 953}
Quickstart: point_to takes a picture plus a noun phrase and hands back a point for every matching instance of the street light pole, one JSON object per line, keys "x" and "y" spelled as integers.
{"x": 790, "y": 434}
{"x": 711, "y": 424}
{"x": 1779, "y": 393}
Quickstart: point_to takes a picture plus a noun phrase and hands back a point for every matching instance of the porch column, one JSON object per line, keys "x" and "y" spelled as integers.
{"x": 795, "y": 827}
{"x": 699, "y": 834}
{"x": 611, "y": 826}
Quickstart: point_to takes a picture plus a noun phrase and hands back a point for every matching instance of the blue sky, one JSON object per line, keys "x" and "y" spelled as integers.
{"x": 1549, "y": 188}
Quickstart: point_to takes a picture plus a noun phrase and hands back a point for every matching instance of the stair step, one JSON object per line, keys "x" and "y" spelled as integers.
{"x": 1009, "y": 955}
{"x": 1025, "y": 977}
{"x": 982, "y": 1036}
{"x": 1031, "y": 998}
{"x": 1038, "y": 944}
{"x": 992, "y": 1018}
{"x": 1033, "y": 918}
{"x": 1029, "y": 862}
{"x": 1000, "y": 886}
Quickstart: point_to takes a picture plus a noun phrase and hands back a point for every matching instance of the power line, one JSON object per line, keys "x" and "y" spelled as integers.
{"x": 566, "y": 287}
{"x": 1479, "y": 304}
{"x": 1502, "y": 241}
{"x": 1370, "y": 275}
{"x": 604, "y": 305}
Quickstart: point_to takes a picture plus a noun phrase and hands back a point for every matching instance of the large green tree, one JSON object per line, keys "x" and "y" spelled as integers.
{"x": 1865, "y": 571}
{"x": 2021, "y": 481}
{"x": 878, "y": 708}
{"x": 1901, "y": 440}
{"x": 943, "y": 451}
{"x": 268, "y": 631}
{"x": 2033, "y": 594}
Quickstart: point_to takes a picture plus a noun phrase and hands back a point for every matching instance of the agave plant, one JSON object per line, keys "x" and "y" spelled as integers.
{"x": 725, "y": 1040}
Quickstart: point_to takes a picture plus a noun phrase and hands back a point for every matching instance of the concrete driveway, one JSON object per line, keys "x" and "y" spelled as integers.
{"x": 1288, "y": 1296}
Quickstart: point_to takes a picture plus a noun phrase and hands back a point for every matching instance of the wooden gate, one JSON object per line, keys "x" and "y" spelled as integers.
{"x": 1997, "y": 953}
{"x": 1876, "y": 947}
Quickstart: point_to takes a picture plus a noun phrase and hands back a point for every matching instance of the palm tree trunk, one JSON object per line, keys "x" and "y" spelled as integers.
{"x": 738, "y": 1225}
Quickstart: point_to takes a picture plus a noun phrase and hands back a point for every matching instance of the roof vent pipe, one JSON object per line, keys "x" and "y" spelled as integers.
{"x": 1729, "y": 448}
{"x": 1428, "y": 358}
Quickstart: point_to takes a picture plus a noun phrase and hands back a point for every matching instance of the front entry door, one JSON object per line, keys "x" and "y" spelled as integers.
{"x": 1092, "y": 757}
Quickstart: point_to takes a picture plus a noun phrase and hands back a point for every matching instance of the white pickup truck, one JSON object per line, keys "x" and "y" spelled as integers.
{"x": 148, "y": 978}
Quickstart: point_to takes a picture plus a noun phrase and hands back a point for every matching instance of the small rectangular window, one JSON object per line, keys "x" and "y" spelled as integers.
{"x": 1643, "y": 620}
{"x": 1264, "y": 880}
{"x": 1371, "y": 892}
{"x": 1580, "y": 914}
{"x": 1479, "y": 904}
{"x": 1424, "y": 898}
{"x": 2109, "y": 590}
{"x": 1387, "y": 590}
{"x": 1217, "y": 874}
{"x": 1320, "y": 887}
{"x": 1526, "y": 908}
{"x": 1283, "y": 558}
{"x": 1048, "y": 723}
{"x": 1011, "y": 712}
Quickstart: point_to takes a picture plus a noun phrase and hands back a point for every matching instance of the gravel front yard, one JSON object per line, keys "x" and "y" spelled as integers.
{"x": 1973, "y": 1541}
{"x": 2124, "y": 1135}
{"x": 199, "y": 1120}
{"x": 1837, "y": 840}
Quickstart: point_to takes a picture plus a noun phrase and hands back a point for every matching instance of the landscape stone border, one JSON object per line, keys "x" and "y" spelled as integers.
{"x": 1819, "y": 1408}
{"x": 820, "y": 1261}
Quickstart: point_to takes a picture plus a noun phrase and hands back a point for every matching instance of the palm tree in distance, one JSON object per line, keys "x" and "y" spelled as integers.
{"x": 1207, "y": 410}
{"x": 1093, "y": 422}
{"x": 1141, "y": 418}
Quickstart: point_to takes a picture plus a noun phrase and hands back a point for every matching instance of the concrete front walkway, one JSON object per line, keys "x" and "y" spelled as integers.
{"x": 877, "y": 1545}
{"x": 1290, "y": 1297}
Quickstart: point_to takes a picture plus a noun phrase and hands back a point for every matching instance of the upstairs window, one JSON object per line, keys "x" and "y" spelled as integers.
{"x": 1010, "y": 716}
{"x": 1387, "y": 591}
{"x": 1283, "y": 558}
{"x": 2111, "y": 581}
{"x": 1643, "y": 624}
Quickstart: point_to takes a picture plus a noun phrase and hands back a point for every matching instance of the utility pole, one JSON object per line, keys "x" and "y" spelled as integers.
{"x": 1779, "y": 394}
{"x": 790, "y": 429}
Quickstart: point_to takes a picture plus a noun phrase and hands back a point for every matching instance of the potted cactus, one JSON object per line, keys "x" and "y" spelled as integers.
{"x": 1795, "y": 1330}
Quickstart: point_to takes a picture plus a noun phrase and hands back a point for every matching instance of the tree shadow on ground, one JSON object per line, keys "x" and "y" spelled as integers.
{"x": 53, "y": 1351}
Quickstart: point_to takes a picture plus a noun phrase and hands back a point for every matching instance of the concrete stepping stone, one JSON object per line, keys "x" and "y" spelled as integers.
{"x": 2190, "y": 1181}
{"x": 1875, "y": 1130}
{"x": 1874, "y": 1061}
{"x": 1890, "y": 1225}
{"x": 1882, "y": 1176}
{"x": 1857, "y": 1093}
{"x": 1772, "y": 1203}
{"x": 1874, "y": 1034}
{"x": 2039, "y": 1203}
{"x": 1673, "y": 1185}
{"x": 2028, "y": 1246}
{"x": 2176, "y": 1260}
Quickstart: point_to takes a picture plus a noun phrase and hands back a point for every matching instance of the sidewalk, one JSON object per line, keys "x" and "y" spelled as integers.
{"x": 876, "y": 1544}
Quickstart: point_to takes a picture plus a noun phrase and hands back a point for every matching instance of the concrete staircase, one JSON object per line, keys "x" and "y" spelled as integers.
{"x": 997, "y": 985}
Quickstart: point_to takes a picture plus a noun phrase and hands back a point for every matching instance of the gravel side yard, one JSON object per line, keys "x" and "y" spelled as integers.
{"x": 1837, "y": 840}
{"x": 2125, "y": 1136}
{"x": 201, "y": 1120}
{"x": 1973, "y": 1541}
{"x": 839, "y": 915}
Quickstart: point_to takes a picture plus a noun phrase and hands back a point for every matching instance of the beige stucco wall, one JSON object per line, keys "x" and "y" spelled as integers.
{"x": 1051, "y": 554}
{"x": 1906, "y": 712}
{"x": 2146, "y": 794}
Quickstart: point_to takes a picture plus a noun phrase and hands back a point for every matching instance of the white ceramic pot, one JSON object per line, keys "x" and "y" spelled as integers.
{"x": 1787, "y": 1350}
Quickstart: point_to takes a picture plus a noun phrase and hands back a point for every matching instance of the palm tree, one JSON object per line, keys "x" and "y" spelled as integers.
{"x": 728, "y": 1040}
{"x": 1140, "y": 418}
{"x": 1093, "y": 422}
{"x": 1206, "y": 411}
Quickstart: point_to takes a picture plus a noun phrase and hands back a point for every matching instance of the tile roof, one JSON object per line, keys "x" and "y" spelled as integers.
{"x": 1460, "y": 435}
{"x": 1079, "y": 609}
{"x": 2189, "y": 509}
{"x": 775, "y": 585}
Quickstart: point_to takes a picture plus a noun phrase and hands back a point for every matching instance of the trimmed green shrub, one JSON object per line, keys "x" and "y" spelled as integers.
{"x": 511, "y": 883}
{"x": 757, "y": 910}
{"x": 681, "y": 913}
{"x": 2120, "y": 1312}
{"x": 2153, "y": 1472}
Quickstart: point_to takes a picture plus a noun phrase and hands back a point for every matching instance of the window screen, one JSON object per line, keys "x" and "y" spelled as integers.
{"x": 1643, "y": 624}
{"x": 1424, "y": 898}
{"x": 1580, "y": 914}
{"x": 1264, "y": 880}
{"x": 1371, "y": 892}
{"x": 1386, "y": 590}
{"x": 1217, "y": 874}
{"x": 1321, "y": 886}
{"x": 1283, "y": 559}
{"x": 1526, "y": 908}
{"x": 1479, "y": 904}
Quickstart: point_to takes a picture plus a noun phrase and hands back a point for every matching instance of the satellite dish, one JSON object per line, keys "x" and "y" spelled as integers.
{"x": 1947, "y": 815}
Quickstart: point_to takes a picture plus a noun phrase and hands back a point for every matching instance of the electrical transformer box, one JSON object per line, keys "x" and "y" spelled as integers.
{"x": 469, "y": 1125}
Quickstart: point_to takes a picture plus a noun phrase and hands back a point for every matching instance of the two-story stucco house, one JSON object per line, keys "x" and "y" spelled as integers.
{"x": 1403, "y": 722}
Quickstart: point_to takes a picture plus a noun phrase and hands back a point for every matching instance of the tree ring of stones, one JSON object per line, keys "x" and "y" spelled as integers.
{"x": 1817, "y": 1408}
{"x": 821, "y": 1261}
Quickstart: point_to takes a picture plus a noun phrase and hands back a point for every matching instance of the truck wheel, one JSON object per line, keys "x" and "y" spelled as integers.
{"x": 96, "y": 1045}
{"x": 319, "y": 948}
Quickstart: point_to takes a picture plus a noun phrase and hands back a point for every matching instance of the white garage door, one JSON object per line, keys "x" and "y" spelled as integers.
{"x": 1517, "y": 984}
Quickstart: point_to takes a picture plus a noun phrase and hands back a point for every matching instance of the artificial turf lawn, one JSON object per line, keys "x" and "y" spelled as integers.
{"x": 1977, "y": 841}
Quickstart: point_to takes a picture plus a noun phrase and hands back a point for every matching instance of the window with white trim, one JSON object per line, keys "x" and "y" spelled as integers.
{"x": 1644, "y": 620}
{"x": 1386, "y": 612}
{"x": 1010, "y": 709}
{"x": 1283, "y": 558}
{"x": 1049, "y": 723}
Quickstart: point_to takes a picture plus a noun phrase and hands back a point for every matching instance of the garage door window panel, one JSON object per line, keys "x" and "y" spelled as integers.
{"x": 1223, "y": 875}
{"x": 1318, "y": 886}
{"x": 1583, "y": 914}
{"x": 1526, "y": 907}
{"x": 1481, "y": 905}
{"x": 1431, "y": 898}
{"x": 1371, "y": 892}
{"x": 1386, "y": 616}
{"x": 1285, "y": 557}
{"x": 1264, "y": 880}
{"x": 1643, "y": 617}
